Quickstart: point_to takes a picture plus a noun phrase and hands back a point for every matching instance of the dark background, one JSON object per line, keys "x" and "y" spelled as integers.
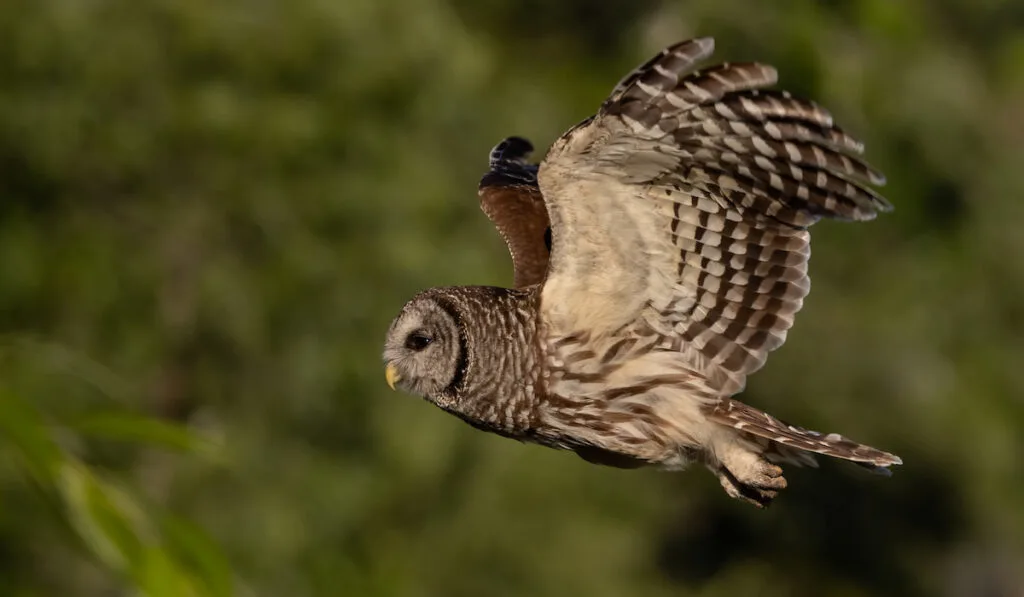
{"x": 210, "y": 212}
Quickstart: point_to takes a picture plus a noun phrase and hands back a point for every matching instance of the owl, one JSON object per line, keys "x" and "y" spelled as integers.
{"x": 660, "y": 253}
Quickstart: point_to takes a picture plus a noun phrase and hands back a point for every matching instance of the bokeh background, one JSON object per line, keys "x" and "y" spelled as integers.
{"x": 210, "y": 211}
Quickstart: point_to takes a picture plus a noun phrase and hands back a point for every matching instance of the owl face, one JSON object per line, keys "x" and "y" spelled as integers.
{"x": 424, "y": 350}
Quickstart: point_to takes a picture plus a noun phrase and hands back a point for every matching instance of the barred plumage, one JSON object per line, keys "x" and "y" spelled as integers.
{"x": 661, "y": 250}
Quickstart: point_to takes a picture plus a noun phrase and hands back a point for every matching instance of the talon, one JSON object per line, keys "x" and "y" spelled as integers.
{"x": 759, "y": 483}
{"x": 759, "y": 496}
{"x": 771, "y": 478}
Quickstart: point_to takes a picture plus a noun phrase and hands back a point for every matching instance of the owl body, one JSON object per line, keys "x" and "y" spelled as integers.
{"x": 660, "y": 254}
{"x": 500, "y": 385}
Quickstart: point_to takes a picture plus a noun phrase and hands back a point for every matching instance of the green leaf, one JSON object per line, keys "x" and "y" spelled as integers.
{"x": 127, "y": 427}
{"x": 24, "y": 428}
{"x": 194, "y": 548}
{"x": 177, "y": 561}
{"x": 158, "y": 575}
{"x": 104, "y": 522}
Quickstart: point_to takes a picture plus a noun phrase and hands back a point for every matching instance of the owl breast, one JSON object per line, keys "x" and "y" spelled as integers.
{"x": 502, "y": 386}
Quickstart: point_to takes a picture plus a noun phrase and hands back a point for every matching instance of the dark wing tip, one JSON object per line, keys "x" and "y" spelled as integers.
{"x": 678, "y": 58}
{"x": 881, "y": 471}
{"x": 695, "y": 48}
{"x": 869, "y": 211}
{"x": 508, "y": 165}
{"x": 883, "y": 204}
{"x": 881, "y": 466}
{"x": 511, "y": 149}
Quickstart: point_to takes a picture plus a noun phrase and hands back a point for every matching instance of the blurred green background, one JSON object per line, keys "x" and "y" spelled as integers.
{"x": 210, "y": 211}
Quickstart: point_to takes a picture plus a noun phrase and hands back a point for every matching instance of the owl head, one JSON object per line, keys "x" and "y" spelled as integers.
{"x": 425, "y": 352}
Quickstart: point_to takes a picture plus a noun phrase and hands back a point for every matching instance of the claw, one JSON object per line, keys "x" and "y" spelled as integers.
{"x": 770, "y": 477}
{"x": 759, "y": 486}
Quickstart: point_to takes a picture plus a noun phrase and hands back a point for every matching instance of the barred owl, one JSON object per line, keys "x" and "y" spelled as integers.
{"x": 660, "y": 253}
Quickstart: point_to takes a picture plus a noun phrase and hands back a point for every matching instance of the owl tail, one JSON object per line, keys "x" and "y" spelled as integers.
{"x": 788, "y": 443}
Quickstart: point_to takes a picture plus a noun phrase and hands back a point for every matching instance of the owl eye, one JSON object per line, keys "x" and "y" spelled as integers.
{"x": 418, "y": 341}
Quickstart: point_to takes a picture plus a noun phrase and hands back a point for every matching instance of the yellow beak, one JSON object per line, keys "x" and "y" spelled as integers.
{"x": 391, "y": 374}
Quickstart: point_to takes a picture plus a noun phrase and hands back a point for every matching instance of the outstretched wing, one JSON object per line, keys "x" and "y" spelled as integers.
{"x": 510, "y": 197}
{"x": 682, "y": 208}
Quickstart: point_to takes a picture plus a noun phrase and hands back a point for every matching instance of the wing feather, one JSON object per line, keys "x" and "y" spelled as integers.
{"x": 510, "y": 197}
{"x": 682, "y": 207}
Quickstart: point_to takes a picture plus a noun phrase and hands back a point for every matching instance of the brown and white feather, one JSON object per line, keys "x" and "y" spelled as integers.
{"x": 680, "y": 212}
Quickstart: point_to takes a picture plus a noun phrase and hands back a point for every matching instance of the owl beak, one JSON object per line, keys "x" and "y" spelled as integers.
{"x": 391, "y": 374}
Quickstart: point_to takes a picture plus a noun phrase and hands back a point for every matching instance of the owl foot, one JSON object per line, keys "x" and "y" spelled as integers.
{"x": 756, "y": 481}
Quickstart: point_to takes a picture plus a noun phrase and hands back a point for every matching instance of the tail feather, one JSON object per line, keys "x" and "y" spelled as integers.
{"x": 791, "y": 440}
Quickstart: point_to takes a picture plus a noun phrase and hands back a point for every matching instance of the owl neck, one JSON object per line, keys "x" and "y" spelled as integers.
{"x": 499, "y": 385}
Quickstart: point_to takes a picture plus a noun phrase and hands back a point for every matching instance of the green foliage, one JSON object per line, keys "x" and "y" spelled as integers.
{"x": 149, "y": 548}
{"x": 222, "y": 204}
